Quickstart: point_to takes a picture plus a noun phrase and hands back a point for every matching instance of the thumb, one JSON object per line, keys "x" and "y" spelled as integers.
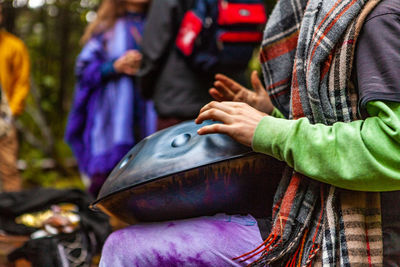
{"x": 256, "y": 83}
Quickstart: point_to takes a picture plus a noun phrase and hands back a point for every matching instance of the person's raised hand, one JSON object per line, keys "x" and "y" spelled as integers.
{"x": 226, "y": 89}
{"x": 238, "y": 120}
{"x": 128, "y": 63}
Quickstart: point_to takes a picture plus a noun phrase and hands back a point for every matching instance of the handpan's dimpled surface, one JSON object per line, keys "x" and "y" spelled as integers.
{"x": 177, "y": 174}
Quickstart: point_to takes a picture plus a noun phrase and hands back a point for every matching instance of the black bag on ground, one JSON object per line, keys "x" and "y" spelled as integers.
{"x": 77, "y": 247}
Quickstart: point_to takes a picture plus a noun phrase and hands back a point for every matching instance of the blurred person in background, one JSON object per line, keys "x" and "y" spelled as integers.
{"x": 167, "y": 76}
{"x": 14, "y": 81}
{"x": 108, "y": 115}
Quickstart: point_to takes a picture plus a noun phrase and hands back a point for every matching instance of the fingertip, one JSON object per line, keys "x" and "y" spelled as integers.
{"x": 212, "y": 91}
{"x": 200, "y": 117}
{"x": 219, "y": 76}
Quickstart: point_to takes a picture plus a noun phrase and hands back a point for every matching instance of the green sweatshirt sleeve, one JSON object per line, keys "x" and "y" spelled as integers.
{"x": 362, "y": 155}
{"x": 277, "y": 114}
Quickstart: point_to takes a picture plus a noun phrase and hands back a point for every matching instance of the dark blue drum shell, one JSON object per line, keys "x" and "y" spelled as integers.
{"x": 177, "y": 174}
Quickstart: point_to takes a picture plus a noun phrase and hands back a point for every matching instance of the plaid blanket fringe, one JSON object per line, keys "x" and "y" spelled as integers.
{"x": 307, "y": 57}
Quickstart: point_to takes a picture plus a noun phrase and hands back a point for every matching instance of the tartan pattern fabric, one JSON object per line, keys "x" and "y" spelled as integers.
{"x": 278, "y": 49}
{"x": 307, "y": 63}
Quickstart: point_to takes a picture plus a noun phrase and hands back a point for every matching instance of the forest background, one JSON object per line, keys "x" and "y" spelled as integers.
{"x": 51, "y": 29}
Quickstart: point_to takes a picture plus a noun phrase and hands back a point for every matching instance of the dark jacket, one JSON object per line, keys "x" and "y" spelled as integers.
{"x": 177, "y": 90}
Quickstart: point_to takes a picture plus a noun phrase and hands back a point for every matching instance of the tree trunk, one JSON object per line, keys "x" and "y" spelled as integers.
{"x": 9, "y": 15}
{"x": 64, "y": 57}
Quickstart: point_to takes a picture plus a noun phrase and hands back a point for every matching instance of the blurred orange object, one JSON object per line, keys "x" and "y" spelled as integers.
{"x": 22, "y": 263}
{"x": 7, "y": 244}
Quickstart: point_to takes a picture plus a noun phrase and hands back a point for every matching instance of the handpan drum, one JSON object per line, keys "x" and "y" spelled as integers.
{"x": 176, "y": 174}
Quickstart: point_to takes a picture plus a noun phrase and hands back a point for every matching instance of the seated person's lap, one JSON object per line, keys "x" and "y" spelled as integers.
{"x": 203, "y": 241}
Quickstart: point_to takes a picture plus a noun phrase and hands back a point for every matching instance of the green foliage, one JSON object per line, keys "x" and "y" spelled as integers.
{"x": 36, "y": 176}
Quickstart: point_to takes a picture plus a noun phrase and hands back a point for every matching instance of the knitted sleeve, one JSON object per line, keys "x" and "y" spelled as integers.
{"x": 361, "y": 155}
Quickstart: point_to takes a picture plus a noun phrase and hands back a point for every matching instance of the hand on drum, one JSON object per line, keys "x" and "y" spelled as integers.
{"x": 238, "y": 120}
{"x": 226, "y": 89}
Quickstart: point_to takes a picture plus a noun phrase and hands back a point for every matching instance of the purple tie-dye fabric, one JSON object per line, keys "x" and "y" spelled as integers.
{"x": 203, "y": 241}
{"x": 106, "y": 114}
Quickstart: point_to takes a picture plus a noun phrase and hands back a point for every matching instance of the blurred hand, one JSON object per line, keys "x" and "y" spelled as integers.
{"x": 226, "y": 89}
{"x": 128, "y": 63}
{"x": 239, "y": 120}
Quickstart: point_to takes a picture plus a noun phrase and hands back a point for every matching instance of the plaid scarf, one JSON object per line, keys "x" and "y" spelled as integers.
{"x": 307, "y": 56}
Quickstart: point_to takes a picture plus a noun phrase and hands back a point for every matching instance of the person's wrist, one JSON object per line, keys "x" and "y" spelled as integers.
{"x": 267, "y": 109}
{"x": 116, "y": 66}
{"x": 270, "y": 109}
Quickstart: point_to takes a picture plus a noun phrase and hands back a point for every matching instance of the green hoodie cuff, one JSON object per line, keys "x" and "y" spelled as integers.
{"x": 270, "y": 135}
{"x": 277, "y": 114}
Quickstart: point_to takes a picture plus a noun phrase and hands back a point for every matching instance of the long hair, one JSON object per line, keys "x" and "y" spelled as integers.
{"x": 107, "y": 14}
